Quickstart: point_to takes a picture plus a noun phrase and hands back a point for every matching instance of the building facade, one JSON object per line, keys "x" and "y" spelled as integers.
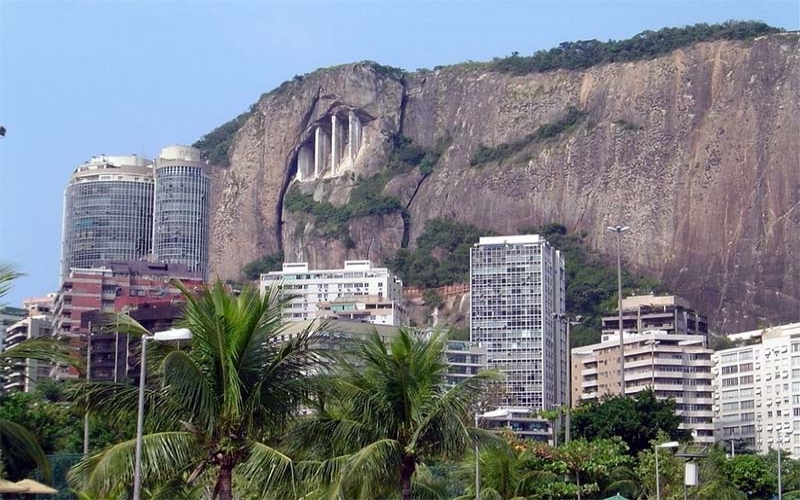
{"x": 115, "y": 286}
{"x": 108, "y": 212}
{"x": 464, "y": 359}
{"x": 9, "y": 316}
{"x": 657, "y": 312}
{"x": 23, "y": 374}
{"x": 516, "y": 287}
{"x": 359, "y": 291}
{"x": 757, "y": 391}
{"x": 675, "y": 366}
{"x": 182, "y": 209}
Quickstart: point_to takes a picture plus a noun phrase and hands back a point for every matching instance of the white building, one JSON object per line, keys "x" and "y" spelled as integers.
{"x": 676, "y": 366}
{"x": 358, "y": 292}
{"x": 22, "y": 375}
{"x": 464, "y": 359}
{"x": 516, "y": 286}
{"x": 757, "y": 390}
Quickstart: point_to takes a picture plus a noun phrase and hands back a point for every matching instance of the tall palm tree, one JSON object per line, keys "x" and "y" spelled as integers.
{"x": 384, "y": 411}
{"x": 218, "y": 404}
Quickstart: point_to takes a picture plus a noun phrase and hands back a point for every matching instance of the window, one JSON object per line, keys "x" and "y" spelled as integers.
{"x": 727, "y": 370}
{"x": 746, "y": 379}
{"x": 729, "y": 382}
{"x": 747, "y": 405}
{"x": 733, "y": 406}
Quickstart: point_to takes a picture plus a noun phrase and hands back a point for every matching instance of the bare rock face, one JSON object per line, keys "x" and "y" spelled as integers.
{"x": 696, "y": 151}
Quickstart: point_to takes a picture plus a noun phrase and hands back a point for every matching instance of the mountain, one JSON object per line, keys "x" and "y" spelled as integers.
{"x": 693, "y": 145}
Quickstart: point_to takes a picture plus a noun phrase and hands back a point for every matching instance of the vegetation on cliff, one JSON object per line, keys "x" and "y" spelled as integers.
{"x": 216, "y": 144}
{"x": 270, "y": 262}
{"x": 566, "y": 123}
{"x": 646, "y": 45}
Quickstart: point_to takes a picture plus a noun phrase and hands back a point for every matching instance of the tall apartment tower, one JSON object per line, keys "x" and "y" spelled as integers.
{"x": 108, "y": 212}
{"x": 182, "y": 213}
{"x": 516, "y": 287}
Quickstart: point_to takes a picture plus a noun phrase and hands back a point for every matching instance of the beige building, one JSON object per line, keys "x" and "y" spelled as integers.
{"x": 653, "y": 312}
{"x": 675, "y": 366}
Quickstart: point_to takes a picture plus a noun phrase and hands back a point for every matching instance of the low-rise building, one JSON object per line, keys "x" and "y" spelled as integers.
{"x": 359, "y": 291}
{"x": 675, "y": 366}
{"x": 521, "y": 421}
{"x": 757, "y": 391}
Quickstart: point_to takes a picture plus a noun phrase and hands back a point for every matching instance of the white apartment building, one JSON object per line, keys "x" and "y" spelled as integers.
{"x": 757, "y": 390}
{"x": 676, "y": 366}
{"x": 359, "y": 291}
{"x": 22, "y": 375}
{"x": 516, "y": 288}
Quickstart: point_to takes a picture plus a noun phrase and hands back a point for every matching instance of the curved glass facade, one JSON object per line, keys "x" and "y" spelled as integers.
{"x": 108, "y": 212}
{"x": 182, "y": 212}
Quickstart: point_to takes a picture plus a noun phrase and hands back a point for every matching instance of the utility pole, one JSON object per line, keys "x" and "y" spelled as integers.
{"x": 88, "y": 379}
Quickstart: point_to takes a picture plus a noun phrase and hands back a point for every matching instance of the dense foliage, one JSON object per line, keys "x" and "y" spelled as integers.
{"x": 270, "y": 262}
{"x": 636, "y": 420}
{"x": 216, "y": 144}
{"x": 572, "y": 117}
{"x": 646, "y": 45}
{"x": 441, "y": 255}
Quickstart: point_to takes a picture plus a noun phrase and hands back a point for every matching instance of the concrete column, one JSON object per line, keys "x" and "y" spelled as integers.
{"x": 321, "y": 146}
{"x": 305, "y": 163}
{"x": 354, "y": 142}
{"x": 336, "y": 143}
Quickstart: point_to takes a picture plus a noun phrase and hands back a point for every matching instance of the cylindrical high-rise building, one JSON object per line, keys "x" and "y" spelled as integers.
{"x": 108, "y": 212}
{"x": 182, "y": 213}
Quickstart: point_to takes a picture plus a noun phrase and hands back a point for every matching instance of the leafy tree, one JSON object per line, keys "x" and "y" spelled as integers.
{"x": 386, "y": 411}
{"x": 508, "y": 472}
{"x": 432, "y": 298}
{"x": 219, "y": 404}
{"x": 593, "y": 459}
{"x": 637, "y": 420}
{"x": 270, "y": 262}
{"x": 753, "y": 475}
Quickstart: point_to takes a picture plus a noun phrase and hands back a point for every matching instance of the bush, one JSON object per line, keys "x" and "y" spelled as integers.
{"x": 267, "y": 263}
{"x": 432, "y": 298}
{"x": 215, "y": 145}
{"x": 646, "y": 45}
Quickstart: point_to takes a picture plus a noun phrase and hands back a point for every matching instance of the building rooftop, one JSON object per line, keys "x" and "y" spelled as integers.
{"x": 516, "y": 239}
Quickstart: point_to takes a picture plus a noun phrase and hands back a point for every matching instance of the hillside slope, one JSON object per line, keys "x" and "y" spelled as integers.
{"x": 696, "y": 150}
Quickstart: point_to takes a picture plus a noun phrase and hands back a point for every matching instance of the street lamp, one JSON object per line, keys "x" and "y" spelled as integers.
{"x": 619, "y": 230}
{"x": 569, "y": 321}
{"x": 652, "y": 343}
{"x": 165, "y": 336}
{"x": 670, "y": 444}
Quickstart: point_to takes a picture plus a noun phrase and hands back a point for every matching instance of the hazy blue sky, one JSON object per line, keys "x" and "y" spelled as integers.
{"x": 117, "y": 77}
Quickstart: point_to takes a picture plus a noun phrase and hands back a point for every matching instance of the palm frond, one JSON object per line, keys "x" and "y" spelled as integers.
{"x": 8, "y": 273}
{"x": 164, "y": 456}
{"x": 40, "y": 349}
{"x": 25, "y": 442}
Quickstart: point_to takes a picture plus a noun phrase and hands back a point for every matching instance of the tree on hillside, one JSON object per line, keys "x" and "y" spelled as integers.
{"x": 384, "y": 413}
{"x": 217, "y": 407}
{"x": 635, "y": 419}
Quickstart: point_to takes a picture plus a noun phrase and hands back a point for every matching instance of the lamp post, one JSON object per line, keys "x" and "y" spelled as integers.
{"x": 567, "y": 417}
{"x": 165, "y": 336}
{"x": 670, "y": 444}
{"x": 619, "y": 230}
{"x": 477, "y": 465}
{"x": 652, "y": 343}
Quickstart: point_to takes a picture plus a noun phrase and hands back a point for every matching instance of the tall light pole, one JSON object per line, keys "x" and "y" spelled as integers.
{"x": 567, "y": 417}
{"x": 619, "y": 230}
{"x": 477, "y": 465}
{"x": 670, "y": 444}
{"x": 652, "y": 343}
{"x": 177, "y": 334}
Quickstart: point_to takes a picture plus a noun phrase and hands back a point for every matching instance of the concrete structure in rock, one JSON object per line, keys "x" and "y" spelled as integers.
{"x": 516, "y": 287}
{"x": 358, "y": 291}
{"x": 331, "y": 149}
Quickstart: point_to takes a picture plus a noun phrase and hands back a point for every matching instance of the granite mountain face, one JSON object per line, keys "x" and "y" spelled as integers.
{"x": 698, "y": 151}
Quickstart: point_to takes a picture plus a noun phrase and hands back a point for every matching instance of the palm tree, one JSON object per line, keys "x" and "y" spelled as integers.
{"x": 507, "y": 473}
{"x": 218, "y": 404}
{"x": 12, "y": 433}
{"x": 384, "y": 411}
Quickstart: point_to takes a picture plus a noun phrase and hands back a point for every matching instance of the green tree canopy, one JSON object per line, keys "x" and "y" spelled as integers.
{"x": 637, "y": 420}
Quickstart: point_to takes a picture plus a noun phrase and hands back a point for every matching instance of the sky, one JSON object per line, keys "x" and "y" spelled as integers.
{"x": 82, "y": 78}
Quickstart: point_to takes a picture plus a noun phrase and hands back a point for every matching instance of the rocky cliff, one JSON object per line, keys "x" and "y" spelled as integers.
{"x": 697, "y": 151}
